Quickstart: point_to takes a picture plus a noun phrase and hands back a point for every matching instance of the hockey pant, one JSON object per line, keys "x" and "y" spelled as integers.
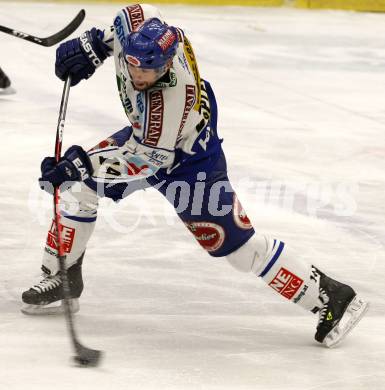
{"x": 211, "y": 211}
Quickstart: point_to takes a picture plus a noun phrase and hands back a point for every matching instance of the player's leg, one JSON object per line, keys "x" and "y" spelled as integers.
{"x": 280, "y": 267}
{"x": 79, "y": 212}
{"x": 214, "y": 215}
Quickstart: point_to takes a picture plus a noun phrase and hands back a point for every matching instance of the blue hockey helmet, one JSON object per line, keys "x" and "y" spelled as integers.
{"x": 151, "y": 45}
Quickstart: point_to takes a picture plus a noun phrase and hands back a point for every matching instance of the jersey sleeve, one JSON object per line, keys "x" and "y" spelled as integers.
{"x": 108, "y": 38}
{"x": 131, "y": 161}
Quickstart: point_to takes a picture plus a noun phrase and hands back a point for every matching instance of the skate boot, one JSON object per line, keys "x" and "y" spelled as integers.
{"x": 5, "y": 82}
{"x": 341, "y": 310}
{"x": 45, "y": 297}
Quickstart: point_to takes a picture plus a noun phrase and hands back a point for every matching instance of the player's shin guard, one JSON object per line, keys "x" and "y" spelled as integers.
{"x": 337, "y": 304}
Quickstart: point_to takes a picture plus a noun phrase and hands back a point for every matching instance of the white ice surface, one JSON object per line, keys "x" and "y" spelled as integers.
{"x": 302, "y": 112}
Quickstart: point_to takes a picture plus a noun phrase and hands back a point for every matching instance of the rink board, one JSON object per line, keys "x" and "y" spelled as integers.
{"x": 356, "y": 5}
{"x": 250, "y": 3}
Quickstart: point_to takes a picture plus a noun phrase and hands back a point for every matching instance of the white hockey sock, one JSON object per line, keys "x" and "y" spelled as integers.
{"x": 78, "y": 209}
{"x": 293, "y": 278}
{"x": 281, "y": 268}
{"x": 75, "y": 236}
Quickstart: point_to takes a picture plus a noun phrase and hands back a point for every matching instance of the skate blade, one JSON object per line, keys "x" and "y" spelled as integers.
{"x": 51, "y": 309}
{"x": 352, "y": 316}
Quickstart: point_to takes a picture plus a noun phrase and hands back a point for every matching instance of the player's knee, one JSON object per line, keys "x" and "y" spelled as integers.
{"x": 251, "y": 256}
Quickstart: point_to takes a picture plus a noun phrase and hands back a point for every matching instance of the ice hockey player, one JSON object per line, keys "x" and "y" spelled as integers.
{"x": 171, "y": 143}
{"x": 5, "y": 82}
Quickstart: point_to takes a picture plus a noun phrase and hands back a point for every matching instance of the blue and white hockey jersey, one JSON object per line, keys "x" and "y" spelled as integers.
{"x": 172, "y": 123}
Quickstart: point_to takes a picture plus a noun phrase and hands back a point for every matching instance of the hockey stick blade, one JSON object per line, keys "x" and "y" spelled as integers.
{"x": 53, "y": 39}
{"x": 87, "y": 357}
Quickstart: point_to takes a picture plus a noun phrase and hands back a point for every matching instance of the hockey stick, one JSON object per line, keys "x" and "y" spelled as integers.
{"x": 53, "y": 39}
{"x": 84, "y": 356}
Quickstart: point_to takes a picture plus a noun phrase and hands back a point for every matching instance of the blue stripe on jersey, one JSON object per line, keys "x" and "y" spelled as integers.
{"x": 273, "y": 260}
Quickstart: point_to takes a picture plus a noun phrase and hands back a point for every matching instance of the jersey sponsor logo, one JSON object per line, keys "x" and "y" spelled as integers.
{"x": 286, "y": 283}
{"x": 139, "y": 103}
{"x": 188, "y": 105}
{"x": 189, "y": 53}
{"x": 135, "y": 13}
{"x": 240, "y": 217}
{"x": 204, "y": 107}
{"x": 209, "y": 235}
{"x": 119, "y": 29}
{"x": 155, "y": 118}
{"x": 67, "y": 236}
{"x": 166, "y": 40}
{"x": 122, "y": 86}
{"x": 156, "y": 157}
{"x": 203, "y": 130}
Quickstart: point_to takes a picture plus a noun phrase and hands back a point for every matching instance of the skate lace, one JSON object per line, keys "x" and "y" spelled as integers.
{"x": 324, "y": 298}
{"x": 48, "y": 283}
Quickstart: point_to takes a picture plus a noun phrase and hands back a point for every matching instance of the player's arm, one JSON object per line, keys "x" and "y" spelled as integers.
{"x": 80, "y": 57}
{"x": 132, "y": 161}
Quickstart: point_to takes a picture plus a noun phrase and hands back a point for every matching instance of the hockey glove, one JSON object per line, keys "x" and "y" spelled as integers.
{"x": 81, "y": 56}
{"x": 74, "y": 166}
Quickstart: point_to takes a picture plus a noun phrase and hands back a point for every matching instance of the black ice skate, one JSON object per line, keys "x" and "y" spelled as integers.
{"x": 341, "y": 310}
{"x": 45, "y": 297}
